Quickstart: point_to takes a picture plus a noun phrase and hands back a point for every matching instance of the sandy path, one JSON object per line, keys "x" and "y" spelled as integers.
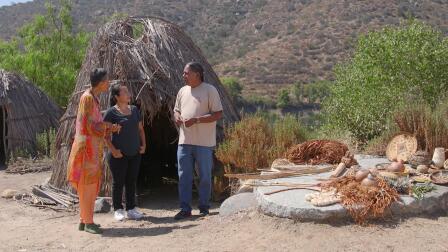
{"x": 26, "y": 228}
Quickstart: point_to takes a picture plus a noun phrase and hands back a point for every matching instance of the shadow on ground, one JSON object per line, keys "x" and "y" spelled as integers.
{"x": 140, "y": 232}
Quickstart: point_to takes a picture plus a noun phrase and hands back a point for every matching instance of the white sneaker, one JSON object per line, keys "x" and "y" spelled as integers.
{"x": 134, "y": 214}
{"x": 119, "y": 215}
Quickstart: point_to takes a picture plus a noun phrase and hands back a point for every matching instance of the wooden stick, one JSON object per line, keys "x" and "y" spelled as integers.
{"x": 281, "y": 174}
{"x": 37, "y": 190}
{"x": 293, "y": 188}
{"x": 4, "y": 134}
{"x": 62, "y": 191}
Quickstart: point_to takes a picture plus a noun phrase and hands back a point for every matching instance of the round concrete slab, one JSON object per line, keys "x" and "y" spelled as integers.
{"x": 292, "y": 204}
{"x": 237, "y": 203}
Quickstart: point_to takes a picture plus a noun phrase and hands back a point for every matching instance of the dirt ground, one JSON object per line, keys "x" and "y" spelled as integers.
{"x": 25, "y": 228}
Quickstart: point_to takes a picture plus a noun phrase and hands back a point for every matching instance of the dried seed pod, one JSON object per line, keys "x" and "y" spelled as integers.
{"x": 361, "y": 174}
{"x": 370, "y": 181}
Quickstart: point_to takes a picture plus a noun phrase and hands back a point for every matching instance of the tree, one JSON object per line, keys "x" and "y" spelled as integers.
{"x": 390, "y": 68}
{"x": 283, "y": 98}
{"x": 298, "y": 91}
{"x": 316, "y": 91}
{"x": 233, "y": 87}
{"x": 48, "y": 51}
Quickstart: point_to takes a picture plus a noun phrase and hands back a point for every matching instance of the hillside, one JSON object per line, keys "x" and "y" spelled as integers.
{"x": 266, "y": 43}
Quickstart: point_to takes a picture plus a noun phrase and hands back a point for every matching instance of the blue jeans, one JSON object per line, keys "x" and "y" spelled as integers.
{"x": 187, "y": 155}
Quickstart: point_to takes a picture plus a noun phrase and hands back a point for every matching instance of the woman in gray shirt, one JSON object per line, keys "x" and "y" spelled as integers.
{"x": 125, "y": 149}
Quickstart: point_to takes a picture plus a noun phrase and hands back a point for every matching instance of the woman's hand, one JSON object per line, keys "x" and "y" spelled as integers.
{"x": 116, "y": 153}
{"x": 142, "y": 149}
{"x": 115, "y": 128}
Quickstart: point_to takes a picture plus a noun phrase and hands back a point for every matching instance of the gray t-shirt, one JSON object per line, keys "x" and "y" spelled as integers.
{"x": 195, "y": 102}
{"x": 128, "y": 140}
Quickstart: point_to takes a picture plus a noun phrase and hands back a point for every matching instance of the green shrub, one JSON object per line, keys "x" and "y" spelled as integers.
{"x": 233, "y": 87}
{"x": 283, "y": 98}
{"x": 260, "y": 101}
{"x": 390, "y": 68}
{"x": 49, "y": 51}
{"x": 45, "y": 143}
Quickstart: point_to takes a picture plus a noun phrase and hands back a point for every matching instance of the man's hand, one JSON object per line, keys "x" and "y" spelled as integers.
{"x": 117, "y": 153}
{"x": 190, "y": 122}
{"x": 178, "y": 119}
{"x": 142, "y": 149}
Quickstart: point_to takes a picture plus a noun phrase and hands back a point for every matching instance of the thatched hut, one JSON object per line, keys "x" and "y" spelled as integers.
{"x": 148, "y": 55}
{"x": 25, "y": 112}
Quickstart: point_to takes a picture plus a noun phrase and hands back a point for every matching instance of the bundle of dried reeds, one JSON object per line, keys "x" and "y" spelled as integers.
{"x": 318, "y": 152}
{"x": 300, "y": 171}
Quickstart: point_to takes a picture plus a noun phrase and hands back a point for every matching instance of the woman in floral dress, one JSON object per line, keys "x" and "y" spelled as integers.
{"x": 86, "y": 156}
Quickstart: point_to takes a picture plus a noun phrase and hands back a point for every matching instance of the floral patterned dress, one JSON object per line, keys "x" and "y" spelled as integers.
{"x": 86, "y": 157}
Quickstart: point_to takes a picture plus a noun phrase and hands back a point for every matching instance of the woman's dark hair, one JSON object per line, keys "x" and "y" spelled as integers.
{"x": 114, "y": 91}
{"x": 197, "y": 68}
{"x": 97, "y": 75}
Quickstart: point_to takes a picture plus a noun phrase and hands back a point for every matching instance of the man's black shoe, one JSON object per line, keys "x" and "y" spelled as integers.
{"x": 182, "y": 215}
{"x": 203, "y": 212}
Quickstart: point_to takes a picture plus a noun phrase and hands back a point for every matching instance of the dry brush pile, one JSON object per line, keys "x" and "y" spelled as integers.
{"x": 254, "y": 142}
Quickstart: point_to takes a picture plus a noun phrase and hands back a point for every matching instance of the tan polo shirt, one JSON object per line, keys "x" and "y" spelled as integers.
{"x": 195, "y": 102}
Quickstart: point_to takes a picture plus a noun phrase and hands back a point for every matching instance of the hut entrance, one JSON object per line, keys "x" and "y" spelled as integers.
{"x": 159, "y": 163}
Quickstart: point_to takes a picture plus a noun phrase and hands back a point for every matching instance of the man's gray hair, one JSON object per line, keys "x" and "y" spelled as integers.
{"x": 197, "y": 68}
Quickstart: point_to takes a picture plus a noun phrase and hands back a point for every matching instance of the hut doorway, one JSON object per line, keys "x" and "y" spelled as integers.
{"x": 159, "y": 163}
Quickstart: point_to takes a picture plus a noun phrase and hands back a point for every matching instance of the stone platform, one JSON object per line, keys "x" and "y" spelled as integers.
{"x": 292, "y": 204}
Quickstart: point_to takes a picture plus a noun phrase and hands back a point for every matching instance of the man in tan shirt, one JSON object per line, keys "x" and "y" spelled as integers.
{"x": 196, "y": 111}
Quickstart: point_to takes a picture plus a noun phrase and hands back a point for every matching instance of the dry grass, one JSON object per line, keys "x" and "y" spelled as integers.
{"x": 378, "y": 145}
{"x": 430, "y": 126}
{"x": 254, "y": 143}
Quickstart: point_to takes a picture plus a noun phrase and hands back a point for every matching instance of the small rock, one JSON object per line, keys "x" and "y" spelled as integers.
{"x": 238, "y": 203}
{"x": 245, "y": 189}
{"x": 102, "y": 206}
{"x": 18, "y": 197}
{"x": 9, "y": 193}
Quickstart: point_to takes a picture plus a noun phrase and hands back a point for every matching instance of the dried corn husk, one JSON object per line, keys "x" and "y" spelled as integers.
{"x": 325, "y": 198}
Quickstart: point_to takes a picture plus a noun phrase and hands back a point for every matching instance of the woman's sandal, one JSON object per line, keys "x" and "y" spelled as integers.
{"x": 93, "y": 229}
{"x": 82, "y": 226}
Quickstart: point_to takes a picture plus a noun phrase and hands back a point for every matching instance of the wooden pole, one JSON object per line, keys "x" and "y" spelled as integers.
{"x": 5, "y": 148}
{"x": 47, "y": 150}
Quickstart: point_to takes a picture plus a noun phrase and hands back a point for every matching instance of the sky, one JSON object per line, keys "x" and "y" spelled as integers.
{"x": 9, "y": 2}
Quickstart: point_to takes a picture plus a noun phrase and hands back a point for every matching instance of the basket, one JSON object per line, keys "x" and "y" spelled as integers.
{"x": 419, "y": 158}
{"x": 439, "y": 178}
{"x": 401, "y": 147}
